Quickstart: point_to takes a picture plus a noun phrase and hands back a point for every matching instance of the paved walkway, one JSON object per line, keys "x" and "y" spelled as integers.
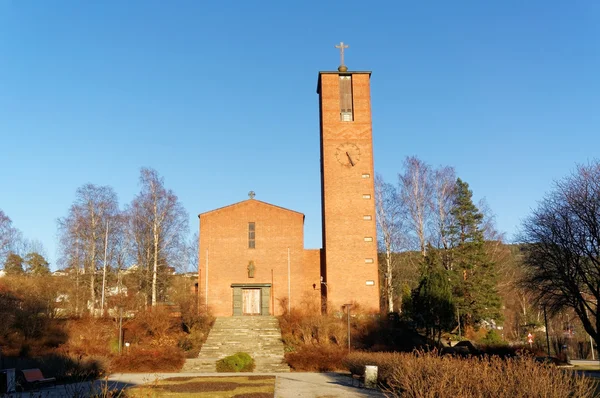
{"x": 288, "y": 385}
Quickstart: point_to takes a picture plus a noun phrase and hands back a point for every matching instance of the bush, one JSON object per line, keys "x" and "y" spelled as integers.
{"x": 240, "y": 362}
{"x": 192, "y": 341}
{"x": 164, "y": 359}
{"x": 82, "y": 342}
{"x": 420, "y": 375}
{"x": 157, "y": 327}
{"x": 316, "y": 359}
{"x": 492, "y": 338}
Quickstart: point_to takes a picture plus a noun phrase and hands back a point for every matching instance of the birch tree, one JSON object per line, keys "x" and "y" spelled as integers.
{"x": 9, "y": 236}
{"x": 160, "y": 226}
{"x": 389, "y": 224}
{"x": 444, "y": 188}
{"x": 83, "y": 232}
{"x": 416, "y": 194}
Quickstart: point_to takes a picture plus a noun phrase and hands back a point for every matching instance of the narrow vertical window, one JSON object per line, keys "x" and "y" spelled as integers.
{"x": 346, "y": 112}
{"x": 251, "y": 235}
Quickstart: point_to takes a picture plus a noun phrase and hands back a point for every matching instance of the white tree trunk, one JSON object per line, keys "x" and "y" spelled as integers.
{"x": 155, "y": 271}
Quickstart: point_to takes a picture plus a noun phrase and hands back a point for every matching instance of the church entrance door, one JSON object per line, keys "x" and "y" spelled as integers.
{"x": 251, "y": 301}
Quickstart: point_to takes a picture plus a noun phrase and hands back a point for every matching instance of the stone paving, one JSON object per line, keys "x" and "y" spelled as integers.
{"x": 287, "y": 385}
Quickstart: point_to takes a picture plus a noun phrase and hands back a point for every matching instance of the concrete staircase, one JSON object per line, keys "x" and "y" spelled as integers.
{"x": 258, "y": 336}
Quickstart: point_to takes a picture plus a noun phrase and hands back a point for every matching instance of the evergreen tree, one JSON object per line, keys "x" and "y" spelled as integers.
{"x": 37, "y": 264}
{"x": 473, "y": 275}
{"x": 13, "y": 264}
{"x": 431, "y": 304}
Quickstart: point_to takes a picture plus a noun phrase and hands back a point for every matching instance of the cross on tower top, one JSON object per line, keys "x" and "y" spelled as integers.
{"x": 342, "y": 46}
{"x": 251, "y": 194}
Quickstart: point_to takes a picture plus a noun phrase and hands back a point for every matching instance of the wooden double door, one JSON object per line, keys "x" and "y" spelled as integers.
{"x": 251, "y": 301}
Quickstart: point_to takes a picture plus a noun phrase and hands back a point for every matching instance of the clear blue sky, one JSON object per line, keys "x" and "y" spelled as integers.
{"x": 219, "y": 97}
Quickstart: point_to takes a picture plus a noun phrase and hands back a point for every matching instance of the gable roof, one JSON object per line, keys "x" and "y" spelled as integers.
{"x": 260, "y": 202}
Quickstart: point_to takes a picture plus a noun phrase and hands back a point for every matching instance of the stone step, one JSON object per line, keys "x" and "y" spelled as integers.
{"x": 260, "y": 337}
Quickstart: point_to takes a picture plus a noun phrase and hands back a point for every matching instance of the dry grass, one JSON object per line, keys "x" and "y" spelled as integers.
{"x": 316, "y": 359}
{"x": 214, "y": 387}
{"x": 155, "y": 359}
{"x": 424, "y": 375}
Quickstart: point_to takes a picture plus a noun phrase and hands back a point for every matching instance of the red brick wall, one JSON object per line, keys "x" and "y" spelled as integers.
{"x": 311, "y": 298}
{"x": 224, "y": 242}
{"x": 343, "y": 188}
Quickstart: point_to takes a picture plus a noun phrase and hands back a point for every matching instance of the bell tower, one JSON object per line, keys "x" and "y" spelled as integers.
{"x": 349, "y": 268}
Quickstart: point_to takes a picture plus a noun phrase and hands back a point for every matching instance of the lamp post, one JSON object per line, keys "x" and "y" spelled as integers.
{"x": 348, "y": 313}
{"x": 324, "y": 296}
{"x": 546, "y": 327}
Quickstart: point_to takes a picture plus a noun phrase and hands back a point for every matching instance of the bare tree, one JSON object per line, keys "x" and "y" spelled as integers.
{"x": 160, "y": 226}
{"x": 9, "y": 236}
{"x": 193, "y": 247}
{"x": 82, "y": 233}
{"x": 416, "y": 194}
{"x": 562, "y": 252}
{"x": 389, "y": 225}
{"x": 443, "y": 187}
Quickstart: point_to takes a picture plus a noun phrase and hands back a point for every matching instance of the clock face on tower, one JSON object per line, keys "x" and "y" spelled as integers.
{"x": 348, "y": 154}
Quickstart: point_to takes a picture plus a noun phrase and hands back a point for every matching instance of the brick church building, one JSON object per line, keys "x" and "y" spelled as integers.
{"x": 252, "y": 259}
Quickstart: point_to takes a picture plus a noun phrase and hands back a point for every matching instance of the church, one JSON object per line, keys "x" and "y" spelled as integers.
{"x": 252, "y": 259}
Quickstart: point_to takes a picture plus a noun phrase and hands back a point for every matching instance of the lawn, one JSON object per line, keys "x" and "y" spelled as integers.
{"x": 217, "y": 387}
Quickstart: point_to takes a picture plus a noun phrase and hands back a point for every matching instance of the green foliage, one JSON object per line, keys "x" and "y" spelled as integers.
{"x": 473, "y": 275}
{"x": 466, "y": 216}
{"x": 13, "y": 264}
{"x": 240, "y": 362}
{"x": 431, "y": 304}
{"x": 492, "y": 338}
{"x": 36, "y": 264}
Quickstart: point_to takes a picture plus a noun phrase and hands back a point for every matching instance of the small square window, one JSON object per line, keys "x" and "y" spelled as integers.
{"x": 368, "y": 261}
{"x": 366, "y": 175}
{"x": 366, "y": 196}
{"x": 370, "y": 283}
{"x": 368, "y": 239}
{"x": 367, "y": 218}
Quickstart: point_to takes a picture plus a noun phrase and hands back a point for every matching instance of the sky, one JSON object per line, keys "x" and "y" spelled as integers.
{"x": 220, "y": 98}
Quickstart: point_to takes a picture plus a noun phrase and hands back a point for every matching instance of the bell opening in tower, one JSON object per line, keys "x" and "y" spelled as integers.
{"x": 346, "y": 108}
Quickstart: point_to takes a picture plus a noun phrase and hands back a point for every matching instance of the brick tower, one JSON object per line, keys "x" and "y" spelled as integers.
{"x": 349, "y": 267}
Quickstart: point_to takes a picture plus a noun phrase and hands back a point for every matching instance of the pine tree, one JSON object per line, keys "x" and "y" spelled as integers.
{"x": 473, "y": 274}
{"x": 13, "y": 264}
{"x": 37, "y": 264}
{"x": 431, "y": 304}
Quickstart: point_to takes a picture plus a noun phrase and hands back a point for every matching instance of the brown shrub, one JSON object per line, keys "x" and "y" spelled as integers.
{"x": 310, "y": 327}
{"x": 157, "y": 327}
{"x": 164, "y": 359}
{"x": 420, "y": 375}
{"x": 90, "y": 336}
{"x": 316, "y": 359}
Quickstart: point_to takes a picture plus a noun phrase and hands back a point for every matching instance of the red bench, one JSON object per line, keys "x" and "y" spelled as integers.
{"x": 35, "y": 377}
